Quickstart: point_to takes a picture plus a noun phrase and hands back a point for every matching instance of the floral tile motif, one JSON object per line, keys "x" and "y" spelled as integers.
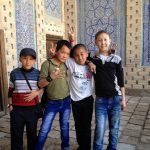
{"x": 95, "y": 15}
{"x": 146, "y": 33}
{"x": 25, "y": 24}
{"x": 53, "y": 8}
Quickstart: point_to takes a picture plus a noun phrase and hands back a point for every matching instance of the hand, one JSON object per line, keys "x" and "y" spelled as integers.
{"x": 123, "y": 104}
{"x": 92, "y": 67}
{"x": 10, "y": 108}
{"x": 71, "y": 34}
{"x": 57, "y": 74}
{"x": 30, "y": 96}
{"x": 42, "y": 83}
{"x": 51, "y": 52}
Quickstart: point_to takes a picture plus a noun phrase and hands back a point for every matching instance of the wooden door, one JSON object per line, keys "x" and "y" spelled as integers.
{"x": 3, "y": 76}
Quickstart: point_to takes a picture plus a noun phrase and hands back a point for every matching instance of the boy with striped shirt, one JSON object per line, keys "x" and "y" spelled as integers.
{"x": 23, "y": 101}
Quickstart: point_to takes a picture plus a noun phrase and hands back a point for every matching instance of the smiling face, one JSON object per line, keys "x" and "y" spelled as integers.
{"x": 80, "y": 55}
{"x": 27, "y": 62}
{"x": 103, "y": 42}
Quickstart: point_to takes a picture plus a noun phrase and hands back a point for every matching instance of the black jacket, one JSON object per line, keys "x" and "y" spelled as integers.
{"x": 109, "y": 76}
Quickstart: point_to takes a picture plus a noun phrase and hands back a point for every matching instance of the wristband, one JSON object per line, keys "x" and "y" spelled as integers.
{"x": 49, "y": 79}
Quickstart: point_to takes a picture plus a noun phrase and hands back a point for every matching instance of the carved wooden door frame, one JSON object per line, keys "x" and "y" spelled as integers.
{"x": 3, "y": 74}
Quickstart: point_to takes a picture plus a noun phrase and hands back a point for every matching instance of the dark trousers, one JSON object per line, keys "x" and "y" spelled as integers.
{"x": 82, "y": 113}
{"x": 19, "y": 117}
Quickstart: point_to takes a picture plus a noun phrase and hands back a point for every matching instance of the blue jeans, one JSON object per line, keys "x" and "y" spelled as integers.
{"x": 52, "y": 108}
{"x": 104, "y": 107}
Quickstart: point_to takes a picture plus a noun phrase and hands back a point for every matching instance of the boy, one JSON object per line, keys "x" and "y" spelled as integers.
{"x": 80, "y": 82}
{"x": 53, "y": 76}
{"x": 22, "y": 101}
{"x": 110, "y": 92}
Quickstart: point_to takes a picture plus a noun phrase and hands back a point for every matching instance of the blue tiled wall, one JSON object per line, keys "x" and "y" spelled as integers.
{"x": 95, "y": 15}
{"x": 53, "y": 8}
{"x": 25, "y": 24}
{"x": 146, "y": 33}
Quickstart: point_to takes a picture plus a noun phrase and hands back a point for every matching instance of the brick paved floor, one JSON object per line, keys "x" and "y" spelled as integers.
{"x": 134, "y": 131}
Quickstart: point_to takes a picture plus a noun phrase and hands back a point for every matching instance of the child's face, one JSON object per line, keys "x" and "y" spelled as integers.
{"x": 63, "y": 54}
{"x": 80, "y": 56}
{"x": 27, "y": 62}
{"x": 103, "y": 42}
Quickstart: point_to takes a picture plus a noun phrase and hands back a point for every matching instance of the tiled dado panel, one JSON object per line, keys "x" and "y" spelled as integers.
{"x": 54, "y": 8}
{"x": 25, "y": 24}
{"x": 7, "y": 23}
{"x": 101, "y": 15}
{"x": 70, "y": 16}
{"x": 146, "y": 33}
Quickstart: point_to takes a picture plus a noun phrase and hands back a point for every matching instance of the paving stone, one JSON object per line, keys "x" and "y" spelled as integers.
{"x": 133, "y": 126}
{"x": 123, "y": 122}
{"x": 128, "y": 97}
{"x": 6, "y": 130}
{"x": 122, "y": 146}
{"x": 7, "y": 116}
{"x": 145, "y": 99}
{"x": 140, "y": 113}
{"x": 146, "y": 132}
{"x": 142, "y": 106}
{"x": 148, "y": 117}
{"x": 140, "y": 117}
{"x": 54, "y": 134}
{"x": 135, "y": 99}
{"x": 132, "y": 103}
{"x": 145, "y": 139}
{"x": 123, "y": 113}
{"x": 137, "y": 121}
{"x": 129, "y": 140}
{"x": 125, "y": 118}
{"x": 122, "y": 128}
{"x": 2, "y": 134}
{"x": 144, "y": 146}
{"x": 147, "y": 126}
{"x": 133, "y": 133}
{"x": 72, "y": 134}
{"x": 130, "y": 110}
{"x": 141, "y": 109}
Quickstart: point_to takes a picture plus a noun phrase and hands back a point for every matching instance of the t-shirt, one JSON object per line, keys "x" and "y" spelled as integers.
{"x": 80, "y": 80}
{"x": 18, "y": 87}
{"x": 57, "y": 89}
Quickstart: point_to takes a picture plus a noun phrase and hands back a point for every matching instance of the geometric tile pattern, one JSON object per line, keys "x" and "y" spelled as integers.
{"x": 95, "y": 15}
{"x": 146, "y": 33}
{"x": 53, "y": 8}
{"x": 25, "y": 24}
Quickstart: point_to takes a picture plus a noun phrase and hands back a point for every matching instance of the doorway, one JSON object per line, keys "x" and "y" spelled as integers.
{"x": 51, "y": 41}
{"x": 3, "y": 76}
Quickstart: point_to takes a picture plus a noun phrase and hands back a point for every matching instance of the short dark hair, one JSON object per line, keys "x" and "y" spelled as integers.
{"x": 76, "y": 47}
{"x": 62, "y": 43}
{"x": 28, "y": 52}
{"x": 101, "y": 32}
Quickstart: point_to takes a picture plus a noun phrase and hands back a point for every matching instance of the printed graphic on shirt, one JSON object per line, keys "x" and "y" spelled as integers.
{"x": 83, "y": 79}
